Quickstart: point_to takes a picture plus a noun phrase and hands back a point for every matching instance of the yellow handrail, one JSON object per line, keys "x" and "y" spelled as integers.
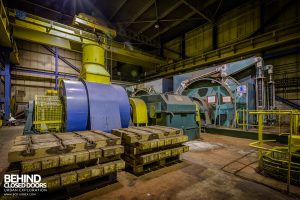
{"x": 294, "y": 125}
{"x": 244, "y": 123}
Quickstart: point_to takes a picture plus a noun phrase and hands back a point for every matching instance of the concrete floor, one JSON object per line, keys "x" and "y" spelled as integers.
{"x": 7, "y": 134}
{"x": 217, "y": 167}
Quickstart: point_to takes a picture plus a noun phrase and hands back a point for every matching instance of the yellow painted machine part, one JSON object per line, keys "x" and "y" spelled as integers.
{"x": 198, "y": 118}
{"x": 139, "y": 111}
{"x": 93, "y": 64}
{"x": 93, "y": 53}
{"x": 48, "y": 114}
{"x": 51, "y": 92}
{"x": 61, "y": 79}
{"x": 4, "y": 27}
{"x": 5, "y": 39}
{"x": 43, "y": 31}
{"x": 86, "y": 21}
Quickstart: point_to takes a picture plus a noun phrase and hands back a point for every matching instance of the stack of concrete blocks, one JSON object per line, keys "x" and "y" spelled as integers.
{"x": 151, "y": 147}
{"x": 64, "y": 159}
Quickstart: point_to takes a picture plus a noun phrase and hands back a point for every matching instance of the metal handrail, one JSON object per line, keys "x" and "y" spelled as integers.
{"x": 294, "y": 125}
{"x": 245, "y": 124}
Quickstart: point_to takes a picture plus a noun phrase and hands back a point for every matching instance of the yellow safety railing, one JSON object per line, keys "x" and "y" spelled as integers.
{"x": 242, "y": 120}
{"x": 277, "y": 160}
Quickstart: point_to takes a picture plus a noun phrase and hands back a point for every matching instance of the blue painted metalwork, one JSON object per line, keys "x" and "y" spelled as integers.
{"x": 20, "y": 14}
{"x": 172, "y": 111}
{"x": 94, "y": 106}
{"x": 177, "y": 80}
{"x": 220, "y": 113}
{"x": 44, "y": 73}
{"x": 238, "y": 66}
{"x": 7, "y": 86}
{"x": 62, "y": 59}
{"x": 56, "y": 68}
{"x": 109, "y": 107}
{"x": 231, "y": 68}
{"x": 76, "y": 105}
{"x": 104, "y": 112}
{"x": 199, "y": 86}
{"x": 122, "y": 98}
{"x": 28, "y": 129}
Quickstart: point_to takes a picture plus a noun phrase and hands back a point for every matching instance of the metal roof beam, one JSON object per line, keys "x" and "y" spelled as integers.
{"x": 208, "y": 3}
{"x": 196, "y": 10}
{"x": 163, "y": 15}
{"x": 118, "y": 9}
{"x": 140, "y": 38}
{"x": 173, "y": 25}
{"x": 140, "y": 12}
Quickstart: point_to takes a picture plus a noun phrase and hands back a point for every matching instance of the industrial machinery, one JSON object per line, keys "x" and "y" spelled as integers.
{"x": 173, "y": 111}
{"x": 48, "y": 114}
{"x": 77, "y": 106}
{"x": 152, "y": 87}
{"x": 86, "y": 111}
{"x": 222, "y": 90}
{"x": 79, "y": 99}
{"x": 139, "y": 116}
{"x": 77, "y": 155}
{"x": 217, "y": 94}
{"x": 166, "y": 109}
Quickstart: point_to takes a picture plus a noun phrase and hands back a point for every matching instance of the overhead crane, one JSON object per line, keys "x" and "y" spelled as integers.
{"x": 16, "y": 24}
{"x": 6, "y": 40}
{"x": 43, "y": 31}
